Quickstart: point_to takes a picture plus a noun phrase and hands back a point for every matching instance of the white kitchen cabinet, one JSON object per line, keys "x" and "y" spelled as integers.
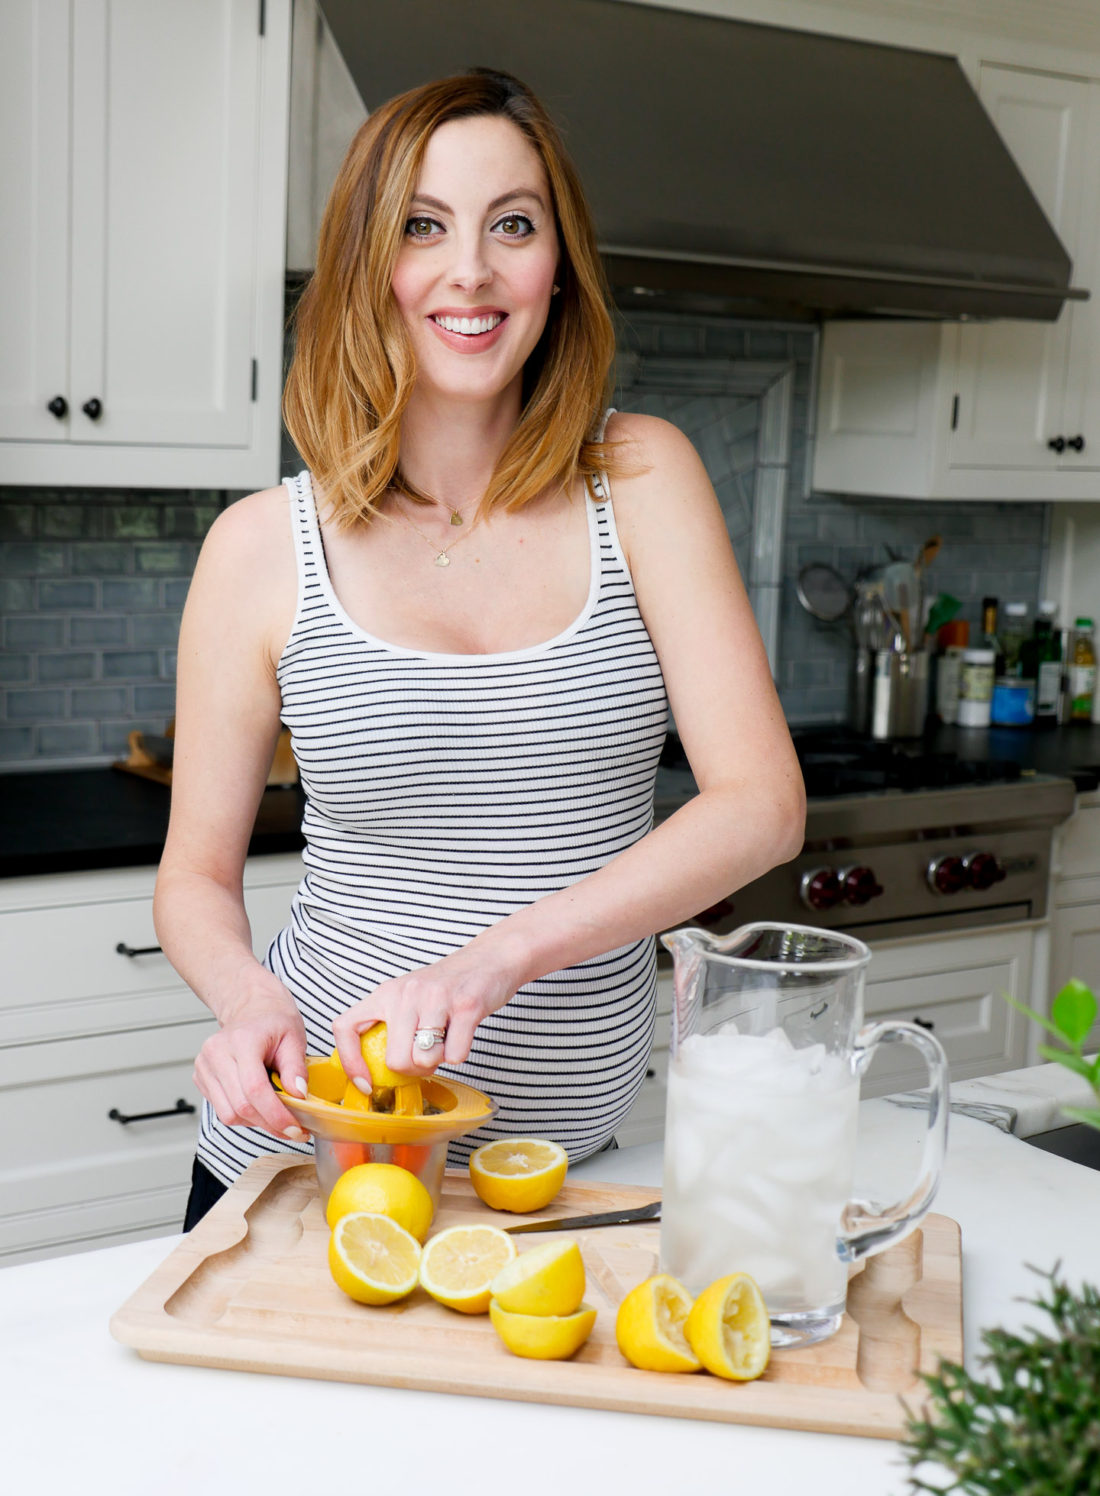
{"x": 952, "y": 985}
{"x": 88, "y": 1030}
{"x": 645, "y": 1121}
{"x": 143, "y": 172}
{"x": 1075, "y": 899}
{"x": 969, "y": 410}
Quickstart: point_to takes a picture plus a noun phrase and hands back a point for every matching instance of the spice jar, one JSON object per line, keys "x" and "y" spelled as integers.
{"x": 976, "y": 687}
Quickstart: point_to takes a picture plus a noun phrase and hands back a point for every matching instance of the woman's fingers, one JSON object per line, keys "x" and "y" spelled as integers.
{"x": 231, "y": 1072}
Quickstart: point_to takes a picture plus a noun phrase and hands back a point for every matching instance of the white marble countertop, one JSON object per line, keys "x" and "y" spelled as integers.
{"x": 81, "y": 1411}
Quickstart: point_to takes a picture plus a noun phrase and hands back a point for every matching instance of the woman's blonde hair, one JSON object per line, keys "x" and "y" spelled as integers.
{"x": 353, "y": 368}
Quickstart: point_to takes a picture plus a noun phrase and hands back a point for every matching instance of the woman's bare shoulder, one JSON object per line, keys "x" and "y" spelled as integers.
{"x": 660, "y": 475}
{"x": 247, "y": 567}
{"x": 649, "y": 443}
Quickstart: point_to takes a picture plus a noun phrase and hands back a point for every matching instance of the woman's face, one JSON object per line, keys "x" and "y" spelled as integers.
{"x": 475, "y": 272}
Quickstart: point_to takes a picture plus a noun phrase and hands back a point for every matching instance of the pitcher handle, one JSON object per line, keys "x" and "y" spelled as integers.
{"x": 864, "y": 1232}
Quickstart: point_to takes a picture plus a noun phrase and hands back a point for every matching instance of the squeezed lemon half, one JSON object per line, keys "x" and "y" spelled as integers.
{"x": 649, "y": 1327}
{"x": 729, "y": 1330}
{"x": 518, "y": 1174}
{"x": 459, "y": 1264}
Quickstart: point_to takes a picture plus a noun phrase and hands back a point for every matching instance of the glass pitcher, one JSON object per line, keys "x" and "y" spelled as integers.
{"x": 768, "y": 1046}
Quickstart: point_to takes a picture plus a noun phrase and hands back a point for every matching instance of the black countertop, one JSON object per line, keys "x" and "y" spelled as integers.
{"x": 67, "y": 820}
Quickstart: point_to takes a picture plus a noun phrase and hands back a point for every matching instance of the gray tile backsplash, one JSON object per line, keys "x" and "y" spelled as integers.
{"x": 92, "y": 582}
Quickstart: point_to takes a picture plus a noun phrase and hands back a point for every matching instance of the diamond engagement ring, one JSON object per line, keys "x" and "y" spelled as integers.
{"x": 428, "y": 1038}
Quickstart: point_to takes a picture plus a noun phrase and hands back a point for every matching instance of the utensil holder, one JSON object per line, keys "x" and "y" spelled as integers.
{"x": 899, "y": 694}
{"x": 862, "y": 680}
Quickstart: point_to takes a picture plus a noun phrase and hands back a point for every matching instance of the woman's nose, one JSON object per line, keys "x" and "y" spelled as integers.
{"x": 470, "y": 268}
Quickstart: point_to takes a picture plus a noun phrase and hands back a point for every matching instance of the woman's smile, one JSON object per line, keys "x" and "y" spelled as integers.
{"x": 472, "y": 330}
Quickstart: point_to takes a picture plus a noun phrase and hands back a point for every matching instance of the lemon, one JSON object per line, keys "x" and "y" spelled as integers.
{"x": 728, "y": 1328}
{"x": 460, "y": 1262}
{"x": 649, "y": 1326}
{"x": 373, "y": 1044}
{"x": 545, "y": 1280}
{"x": 382, "y": 1189}
{"x": 543, "y": 1337}
{"x": 372, "y": 1258}
{"x": 520, "y": 1174}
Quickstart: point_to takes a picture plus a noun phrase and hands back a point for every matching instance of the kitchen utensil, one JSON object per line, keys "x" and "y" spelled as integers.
{"x": 650, "y": 1212}
{"x": 928, "y": 553}
{"x": 823, "y": 592}
{"x": 899, "y": 694}
{"x": 249, "y": 1289}
{"x": 901, "y": 590}
{"x": 859, "y": 704}
{"x": 944, "y": 609}
{"x": 768, "y": 1046}
{"x": 343, "y": 1138}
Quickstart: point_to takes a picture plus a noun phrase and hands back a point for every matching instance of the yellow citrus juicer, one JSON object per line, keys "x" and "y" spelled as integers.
{"x": 415, "y": 1137}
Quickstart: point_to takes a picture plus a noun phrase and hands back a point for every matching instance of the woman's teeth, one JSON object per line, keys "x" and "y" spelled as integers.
{"x": 469, "y": 325}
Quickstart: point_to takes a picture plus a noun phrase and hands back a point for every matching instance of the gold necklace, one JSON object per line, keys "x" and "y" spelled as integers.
{"x": 442, "y": 556}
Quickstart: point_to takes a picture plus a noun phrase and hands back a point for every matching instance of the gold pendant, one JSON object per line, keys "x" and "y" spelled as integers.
{"x": 443, "y": 559}
{"x": 456, "y": 518}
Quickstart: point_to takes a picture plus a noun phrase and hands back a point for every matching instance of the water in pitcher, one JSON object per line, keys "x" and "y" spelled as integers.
{"x": 759, "y": 1151}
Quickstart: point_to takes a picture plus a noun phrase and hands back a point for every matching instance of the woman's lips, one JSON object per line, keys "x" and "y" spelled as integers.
{"x": 469, "y": 342}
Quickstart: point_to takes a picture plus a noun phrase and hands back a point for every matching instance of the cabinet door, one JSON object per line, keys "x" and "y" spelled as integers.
{"x": 1075, "y": 949}
{"x": 34, "y": 189}
{"x": 952, "y": 985}
{"x": 165, "y": 121}
{"x": 1012, "y": 375}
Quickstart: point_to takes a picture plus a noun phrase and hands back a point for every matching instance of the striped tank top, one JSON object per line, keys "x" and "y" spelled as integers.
{"x": 443, "y": 793}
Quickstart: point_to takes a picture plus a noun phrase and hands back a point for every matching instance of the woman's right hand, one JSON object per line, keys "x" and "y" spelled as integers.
{"x": 261, "y": 1031}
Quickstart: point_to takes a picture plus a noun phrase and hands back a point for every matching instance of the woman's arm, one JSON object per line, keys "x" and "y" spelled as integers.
{"x": 239, "y": 606}
{"x": 749, "y": 814}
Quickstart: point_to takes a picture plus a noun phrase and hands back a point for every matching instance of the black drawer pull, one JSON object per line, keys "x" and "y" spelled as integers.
{"x": 138, "y": 950}
{"x": 181, "y": 1109}
{"x": 651, "y": 1074}
{"x": 924, "y": 1023}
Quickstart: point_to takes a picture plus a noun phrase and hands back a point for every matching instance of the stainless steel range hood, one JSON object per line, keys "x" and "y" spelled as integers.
{"x": 751, "y": 164}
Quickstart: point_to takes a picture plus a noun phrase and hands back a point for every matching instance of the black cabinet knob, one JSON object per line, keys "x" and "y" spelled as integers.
{"x": 1077, "y": 443}
{"x": 58, "y": 407}
{"x": 92, "y": 408}
{"x": 1057, "y": 444}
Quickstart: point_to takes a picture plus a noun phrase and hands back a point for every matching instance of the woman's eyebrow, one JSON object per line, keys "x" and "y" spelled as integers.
{"x": 497, "y": 202}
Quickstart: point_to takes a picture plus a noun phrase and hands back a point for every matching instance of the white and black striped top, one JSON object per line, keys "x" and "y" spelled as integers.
{"x": 444, "y": 792}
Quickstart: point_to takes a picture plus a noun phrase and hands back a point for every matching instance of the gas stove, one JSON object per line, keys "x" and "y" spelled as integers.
{"x": 902, "y": 842}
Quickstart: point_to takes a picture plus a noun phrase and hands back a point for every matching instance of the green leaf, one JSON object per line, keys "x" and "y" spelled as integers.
{"x": 1071, "y": 1061}
{"x": 1074, "y": 1011}
{"x": 1089, "y": 1115}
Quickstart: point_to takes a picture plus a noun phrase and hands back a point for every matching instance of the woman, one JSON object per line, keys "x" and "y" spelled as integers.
{"x": 472, "y": 648}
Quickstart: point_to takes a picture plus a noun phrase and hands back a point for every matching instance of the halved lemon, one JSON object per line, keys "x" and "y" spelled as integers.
{"x": 327, "y": 1080}
{"x": 518, "y": 1174}
{"x": 543, "y": 1337}
{"x": 373, "y": 1259}
{"x": 649, "y": 1326}
{"x": 383, "y": 1189}
{"x": 728, "y": 1328}
{"x": 459, "y": 1263}
{"x": 373, "y": 1045}
{"x": 547, "y": 1279}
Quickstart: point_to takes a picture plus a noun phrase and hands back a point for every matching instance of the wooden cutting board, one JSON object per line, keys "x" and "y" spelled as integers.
{"x": 249, "y": 1289}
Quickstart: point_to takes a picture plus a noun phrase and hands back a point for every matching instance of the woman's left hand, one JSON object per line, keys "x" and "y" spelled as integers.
{"x": 453, "y": 994}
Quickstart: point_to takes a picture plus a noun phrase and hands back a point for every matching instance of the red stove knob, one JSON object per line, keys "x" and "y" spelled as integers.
{"x": 821, "y": 888}
{"x": 860, "y": 885}
{"x": 947, "y": 875}
{"x": 983, "y": 870}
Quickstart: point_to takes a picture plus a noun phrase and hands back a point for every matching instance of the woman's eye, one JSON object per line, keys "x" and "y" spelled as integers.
{"x": 421, "y": 227}
{"x": 515, "y": 226}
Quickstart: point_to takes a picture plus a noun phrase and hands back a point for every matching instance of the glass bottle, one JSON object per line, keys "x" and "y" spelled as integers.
{"x": 989, "y": 638}
{"x": 1013, "y": 636}
{"x": 1041, "y": 661}
{"x": 1082, "y": 671}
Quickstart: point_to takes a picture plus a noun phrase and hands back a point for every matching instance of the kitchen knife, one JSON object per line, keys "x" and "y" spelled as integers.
{"x": 650, "y": 1212}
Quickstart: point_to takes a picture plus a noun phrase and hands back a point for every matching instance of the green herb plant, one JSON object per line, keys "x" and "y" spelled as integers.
{"x": 1034, "y": 1430}
{"x": 1072, "y": 1015}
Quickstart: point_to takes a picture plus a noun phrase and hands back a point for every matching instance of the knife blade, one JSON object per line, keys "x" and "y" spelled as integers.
{"x": 650, "y": 1212}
